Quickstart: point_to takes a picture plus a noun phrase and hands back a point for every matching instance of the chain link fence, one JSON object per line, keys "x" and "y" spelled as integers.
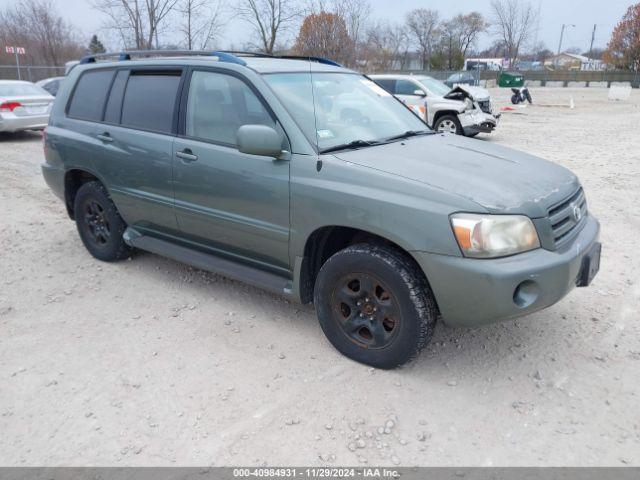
{"x": 31, "y": 73}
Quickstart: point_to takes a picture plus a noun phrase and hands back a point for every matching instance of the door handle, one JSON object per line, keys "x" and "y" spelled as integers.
{"x": 187, "y": 155}
{"x": 105, "y": 137}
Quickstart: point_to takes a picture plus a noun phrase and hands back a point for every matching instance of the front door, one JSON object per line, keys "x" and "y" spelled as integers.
{"x": 233, "y": 203}
{"x": 405, "y": 90}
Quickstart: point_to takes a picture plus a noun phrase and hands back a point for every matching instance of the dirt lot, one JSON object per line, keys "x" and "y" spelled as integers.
{"x": 149, "y": 362}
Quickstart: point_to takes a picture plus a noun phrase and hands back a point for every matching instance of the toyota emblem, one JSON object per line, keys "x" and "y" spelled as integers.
{"x": 577, "y": 213}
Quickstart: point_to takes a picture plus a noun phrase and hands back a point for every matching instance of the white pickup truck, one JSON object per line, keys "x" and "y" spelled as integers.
{"x": 463, "y": 109}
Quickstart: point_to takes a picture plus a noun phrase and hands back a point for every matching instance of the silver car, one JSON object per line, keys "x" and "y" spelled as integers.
{"x": 463, "y": 110}
{"x": 23, "y": 106}
{"x": 51, "y": 85}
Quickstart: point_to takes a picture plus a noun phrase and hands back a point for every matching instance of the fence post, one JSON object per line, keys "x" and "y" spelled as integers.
{"x": 29, "y": 73}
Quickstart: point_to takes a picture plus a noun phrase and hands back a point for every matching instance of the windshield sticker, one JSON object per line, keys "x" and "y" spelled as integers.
{"x": 325, "y": 134}
{"x": 376, "y": 88}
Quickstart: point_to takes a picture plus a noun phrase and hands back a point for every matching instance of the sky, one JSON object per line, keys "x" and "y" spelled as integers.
{"x": 553, "y": 13}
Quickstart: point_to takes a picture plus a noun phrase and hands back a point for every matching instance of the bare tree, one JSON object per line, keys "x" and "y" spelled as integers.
{"x": 467, "y": 28}
{"x": 356, "y": 14}
{"x": 457, "y": 37}
{"x": 200, "y": 22}
{"x": 35, "y": 25}
{"x": 269, "y": 18}
{"x": 137, "y": 22}
{"x": 514, "y": 22}
{"x": 423, "y": 26}
{"x": 386, "y": 47}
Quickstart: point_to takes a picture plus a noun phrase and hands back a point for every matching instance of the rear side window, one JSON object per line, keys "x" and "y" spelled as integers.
{"x": 89, "y": 95}
{"x": 149, "y": 101}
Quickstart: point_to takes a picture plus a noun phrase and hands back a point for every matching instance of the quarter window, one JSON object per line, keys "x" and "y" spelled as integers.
{"x": 90, "y": 94}
{"x": 149, "y": 101}
{"x": 218, "y": 105}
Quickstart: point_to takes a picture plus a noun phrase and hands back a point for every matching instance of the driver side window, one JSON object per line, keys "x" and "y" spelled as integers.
{"x": 406, "y": 87}
{"x": 219, "y": 104}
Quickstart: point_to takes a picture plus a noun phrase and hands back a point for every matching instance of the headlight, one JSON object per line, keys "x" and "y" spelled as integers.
{"x": 468, "y": 103}
{"x": 490, "y": 236}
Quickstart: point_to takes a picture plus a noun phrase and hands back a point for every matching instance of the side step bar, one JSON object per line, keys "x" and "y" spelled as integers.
{"x": 212, "y": 263}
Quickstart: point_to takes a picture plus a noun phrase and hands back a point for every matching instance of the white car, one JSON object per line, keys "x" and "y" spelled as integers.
{"x": 463, "y": 109}
{"x": 23, "y": 106}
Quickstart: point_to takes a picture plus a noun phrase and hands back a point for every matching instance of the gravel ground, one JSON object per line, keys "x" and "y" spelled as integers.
{"x": 149, "y": 362}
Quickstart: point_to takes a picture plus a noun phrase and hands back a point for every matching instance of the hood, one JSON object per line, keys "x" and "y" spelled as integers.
{"x": 499, "y": 179}
{"x": 460, "y": 92}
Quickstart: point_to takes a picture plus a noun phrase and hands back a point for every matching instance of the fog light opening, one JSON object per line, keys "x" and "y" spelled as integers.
{"x": 526, "y": 294}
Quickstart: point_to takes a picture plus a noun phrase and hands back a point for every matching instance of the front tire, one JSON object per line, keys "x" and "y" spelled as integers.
{"x": 99, "y": 224}
{"x": 375, "y": 305}
{"x": 448, "y": 124}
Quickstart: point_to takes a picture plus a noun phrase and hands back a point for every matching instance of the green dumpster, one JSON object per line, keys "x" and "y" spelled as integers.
{"x": 510, "y": 79}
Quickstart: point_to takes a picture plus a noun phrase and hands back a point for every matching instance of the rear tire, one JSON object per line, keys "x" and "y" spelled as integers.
{"x": 448, "y": 123}
{"x": 99, "y": 224}
{"x": 515, "y": 99}
{"x": 375, "y": 305}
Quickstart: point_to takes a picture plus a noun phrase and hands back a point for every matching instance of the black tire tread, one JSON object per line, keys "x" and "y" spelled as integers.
{"x": 121, "y": 250}
{"x": 414, "y": 279}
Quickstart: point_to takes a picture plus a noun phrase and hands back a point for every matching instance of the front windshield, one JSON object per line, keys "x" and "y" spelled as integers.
{"x": 346, "y": 108}
{"x": 434, "y": 86}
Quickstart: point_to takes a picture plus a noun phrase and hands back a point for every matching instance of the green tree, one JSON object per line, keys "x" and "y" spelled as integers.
{"x": 96, "y": 46}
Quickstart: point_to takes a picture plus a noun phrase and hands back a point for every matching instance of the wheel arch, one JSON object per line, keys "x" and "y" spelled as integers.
{"x": 441, "y": 113}
{"x": 74, "y": 178}
{"x": 325, "y": 241}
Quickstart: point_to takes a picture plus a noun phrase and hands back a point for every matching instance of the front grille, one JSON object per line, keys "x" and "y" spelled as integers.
{"x": 566, "y": 216}
{"x": 485, "y": 106}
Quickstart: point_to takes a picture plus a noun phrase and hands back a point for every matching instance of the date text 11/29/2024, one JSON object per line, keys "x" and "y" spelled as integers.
{"x": 316, "y": 472}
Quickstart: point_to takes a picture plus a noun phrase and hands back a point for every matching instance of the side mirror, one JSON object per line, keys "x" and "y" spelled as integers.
{"x": 419, "y": 93}
{"x": 259, "y": 140}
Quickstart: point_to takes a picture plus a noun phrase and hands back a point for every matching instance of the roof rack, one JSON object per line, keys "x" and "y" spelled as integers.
{"x": 127, "y": 55}
{"x": 228, "y": 56}
{"x": 311, "y": 58}
{"x": 324, "y": 61}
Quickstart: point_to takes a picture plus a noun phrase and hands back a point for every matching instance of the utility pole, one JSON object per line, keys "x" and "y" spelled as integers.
{"x": 593, "y": 37}
{"x": 562, "y": 35}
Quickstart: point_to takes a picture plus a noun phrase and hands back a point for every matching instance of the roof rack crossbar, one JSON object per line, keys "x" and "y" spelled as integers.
{"x": 221, "y": 56}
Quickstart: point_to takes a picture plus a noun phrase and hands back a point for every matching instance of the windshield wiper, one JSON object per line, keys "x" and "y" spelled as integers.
{"x": 349, "y": 145}
{"x": 409, "y": 133}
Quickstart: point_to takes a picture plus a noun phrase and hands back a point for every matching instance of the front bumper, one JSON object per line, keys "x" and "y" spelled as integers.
{"x": 473, "y": 292}
{"x": 478, "y": 122}
{"x": 10, "y": 122}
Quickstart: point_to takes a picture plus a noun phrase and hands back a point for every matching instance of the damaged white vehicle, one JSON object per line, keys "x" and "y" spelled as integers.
{"x": 463, "y": 110}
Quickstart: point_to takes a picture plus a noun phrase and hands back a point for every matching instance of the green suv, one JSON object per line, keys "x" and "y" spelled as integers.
{"x": 308, "y": 179}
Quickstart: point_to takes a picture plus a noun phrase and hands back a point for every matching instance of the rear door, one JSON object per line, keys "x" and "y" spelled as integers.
{"x": 225, "y": 200}
{"x": 133, "y": 145}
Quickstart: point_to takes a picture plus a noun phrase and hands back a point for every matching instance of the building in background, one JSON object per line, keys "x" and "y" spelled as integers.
{"x": 493, "y": 64}
{"x": 573, "y": 61}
